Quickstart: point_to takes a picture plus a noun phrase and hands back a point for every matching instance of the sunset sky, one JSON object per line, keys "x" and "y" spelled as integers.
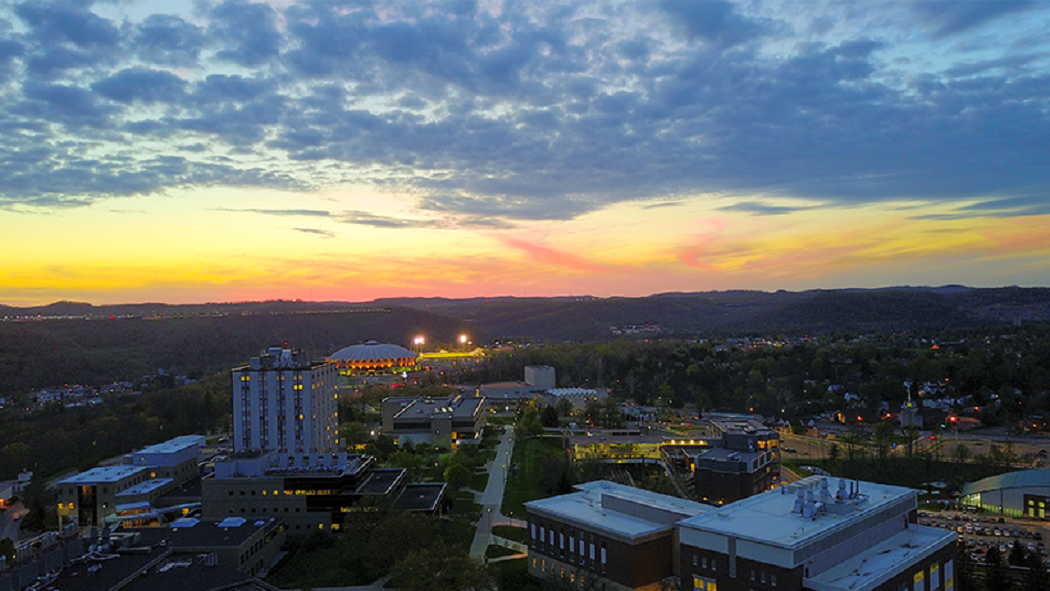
{"x": 183, "y": 151}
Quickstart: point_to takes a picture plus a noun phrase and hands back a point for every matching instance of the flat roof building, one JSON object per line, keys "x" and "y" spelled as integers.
{"x": 283, "y": 401}
{"x": 438, "y": 421}
{"x": 809, "y": 535}
{"x": 608, "y": 535}
{"x": 812, "y": 534}
{"x": 1025, "y": 493}
{"x": 107, "y": 492}
{"x": 312, "y": 492}
{"x": 745, "y": 462}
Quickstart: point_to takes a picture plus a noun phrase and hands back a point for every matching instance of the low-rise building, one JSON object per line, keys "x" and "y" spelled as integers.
{"x": 606, "y": 536}
{"x": 97, "y": 494}
{"x": 188, "y": 555}
{"x": 856, "y": 537}
{"x": 439, "y": 421}
{"x": 746, "y": 462}
{"x": 309, "y": 493}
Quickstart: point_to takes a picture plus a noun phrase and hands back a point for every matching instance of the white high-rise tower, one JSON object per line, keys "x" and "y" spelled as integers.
{"x": 284, "y": 402}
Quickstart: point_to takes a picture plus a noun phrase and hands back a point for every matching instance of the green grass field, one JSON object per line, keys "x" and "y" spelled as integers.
{"x": 516, "y": 534}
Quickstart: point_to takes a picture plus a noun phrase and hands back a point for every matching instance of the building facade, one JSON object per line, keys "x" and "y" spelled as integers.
{"x": 309, "y": 492}
{"x": 1025, "y": 493}
{"x": 101, "y": 493}
{"x": 858, "y": 537}
{"x": 745, "y": 463}
{"x": 606, "y": 536}
{"x": 445, "y": 422}
{"x": 284, "y": 402}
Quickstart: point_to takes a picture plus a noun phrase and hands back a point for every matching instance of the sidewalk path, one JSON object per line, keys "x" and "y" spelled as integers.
{"x": 492, "y": 498}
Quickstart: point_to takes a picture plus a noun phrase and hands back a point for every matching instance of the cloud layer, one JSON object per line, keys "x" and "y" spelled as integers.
{"x": 495, "y": 112}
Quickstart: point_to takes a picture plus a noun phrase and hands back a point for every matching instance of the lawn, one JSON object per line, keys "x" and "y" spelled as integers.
{"x": 478, "y": 481}
{"x": 516, "y": 534}
{"x": 320, "y": 567}
{"x": 533, "y": 459}
{"x": 497, "y": 551}
{"x": 510, "y": 576}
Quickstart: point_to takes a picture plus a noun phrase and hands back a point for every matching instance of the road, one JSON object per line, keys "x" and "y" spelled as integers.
{"x": 8, "y": 524}
{"x": 492, "y": 498}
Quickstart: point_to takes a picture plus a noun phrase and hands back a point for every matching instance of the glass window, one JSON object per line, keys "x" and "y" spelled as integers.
{"x": 935, "y": 581}
{"x": 918, "y": 580}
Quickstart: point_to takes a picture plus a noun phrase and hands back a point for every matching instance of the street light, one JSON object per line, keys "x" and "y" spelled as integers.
{"x": 462, "y": 339}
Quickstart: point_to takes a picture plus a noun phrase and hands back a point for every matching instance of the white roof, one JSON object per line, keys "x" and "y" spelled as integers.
{"x": 767, "y": 518}
{"x": 103, "y": 474}
{"x": 145, "y": 487}
{"x": 652, "y": 512}
{"x": 173, "y": 445}
{"x": 874, "y": 566}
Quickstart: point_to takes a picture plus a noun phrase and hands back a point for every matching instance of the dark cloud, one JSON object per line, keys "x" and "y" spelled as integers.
{"x": 364, "y": 218}
{"x": 714, "y": 22}
{"x": 316, "y": 231}
{"x": 949, "y": 17}
{"x": 140, "y": 84}
{"x": 168, "y": 40}
{"x": 531, "y": 112}
{"x": 248, "y": 31}
{"x": 1012, "y": 63}
{"x": 69, "y": 105}
{"x": 9, "y": 50}
{"x": 757, "y": 208}
{"x": 72, "y": 22}
{"x": 282, "y": 212}
{"x": 53, "y": 61}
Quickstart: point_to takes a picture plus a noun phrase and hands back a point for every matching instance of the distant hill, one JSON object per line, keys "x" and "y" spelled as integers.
{"x": 87, "y": 346}
{"x": 35, "y": 354}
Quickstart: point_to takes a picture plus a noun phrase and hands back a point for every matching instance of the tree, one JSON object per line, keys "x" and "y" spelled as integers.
{"x": 457, "y": 475}
{"x": 1017, "y": 555}
{"x": 549, "y": 417}
{"x": 8, "y": 550}
{"x": 353, "y": 433}
{"x": 997, "y": 576}
{"x": 882, "y": 434}
{"x": 529, "y": 424}
{"x": 964, "y": 572}
{"x": 611, "y": 414}
{"x": 1035, "y": 578}
{"x": 441, "y": 568}
{"x": 565, "y": 407}
{"x": 961, "y": 453}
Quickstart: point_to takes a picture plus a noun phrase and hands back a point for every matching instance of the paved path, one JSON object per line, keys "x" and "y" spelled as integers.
{"x": 492, "y": 498}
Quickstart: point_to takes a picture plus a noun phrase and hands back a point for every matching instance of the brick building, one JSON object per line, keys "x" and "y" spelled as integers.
{"x": 747, "y": 462}
{"x": 606, "y": 536}
{"x": 856, "y": 537}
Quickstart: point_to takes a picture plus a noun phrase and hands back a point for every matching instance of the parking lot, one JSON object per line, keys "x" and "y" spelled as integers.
{"x": 978, "y": 533}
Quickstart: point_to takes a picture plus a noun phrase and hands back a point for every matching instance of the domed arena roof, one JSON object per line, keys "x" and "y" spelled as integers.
{"x": 371, "y": 352}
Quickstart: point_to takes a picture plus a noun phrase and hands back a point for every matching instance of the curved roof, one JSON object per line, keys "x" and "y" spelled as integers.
{"x": 371, "y": 350}
{"x": 1022, "y": 479}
